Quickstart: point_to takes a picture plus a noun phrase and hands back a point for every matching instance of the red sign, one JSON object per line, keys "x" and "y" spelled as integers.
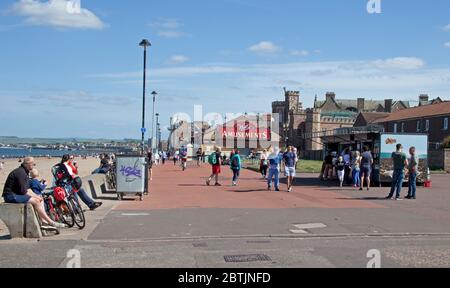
{"x": 245, "y": 130}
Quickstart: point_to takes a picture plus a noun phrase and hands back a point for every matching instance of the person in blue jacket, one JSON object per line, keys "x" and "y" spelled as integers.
{"x": 274, "y": 169}
{"x": 36, "y": 185}
{"x": 235, "y": 165}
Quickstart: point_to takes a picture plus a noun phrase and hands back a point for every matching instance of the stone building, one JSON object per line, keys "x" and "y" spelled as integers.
{"x": 302, "y": 127}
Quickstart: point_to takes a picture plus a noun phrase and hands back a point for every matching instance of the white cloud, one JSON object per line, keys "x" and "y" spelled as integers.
{"x": 407, "y": 63}
{"x": 164, "y": 23}
{"x": 264, "y": 47}
{"x": 300, "y": 53}
{"x": 447, "y": 44}
{"x": 168, "y": 28}
{"x": 369, "y": 78}
{"x": 57, "y": 13}
{"x": 447, "y": 28}
{"x": 178, "y": 59}
{"x": 171, "y": 34}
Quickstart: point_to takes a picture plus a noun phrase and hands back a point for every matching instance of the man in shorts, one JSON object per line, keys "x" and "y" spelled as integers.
{"x": 289, "y": 159}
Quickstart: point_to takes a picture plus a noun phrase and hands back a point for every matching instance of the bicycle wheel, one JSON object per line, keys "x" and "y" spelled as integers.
{"x": 65, "y": 214}
{"x": 78, "y": 213}
{"x": 51, "y": 211}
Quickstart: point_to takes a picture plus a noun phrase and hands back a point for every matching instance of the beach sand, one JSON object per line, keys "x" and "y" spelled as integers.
{"x": 44, "y": 165}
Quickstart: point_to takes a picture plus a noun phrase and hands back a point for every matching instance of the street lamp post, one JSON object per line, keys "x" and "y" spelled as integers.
{"x": 157, "y": 130}
{"x": 286, "y": 129}
{"x": 153, "y": 117}
{"x": 144, "y": 43}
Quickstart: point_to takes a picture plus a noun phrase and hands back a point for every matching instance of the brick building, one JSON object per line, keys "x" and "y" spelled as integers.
{"x": 431, "y": 119}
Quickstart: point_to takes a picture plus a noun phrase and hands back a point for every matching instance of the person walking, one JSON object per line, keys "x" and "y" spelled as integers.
{"x": 235, "y": 165}
{"x": 413, "y": 165}
{"x": 366, "y": 167}
{"x": 175, "y": 158}
{"x": 150, "y": 163}
{"x": 215, "y": 159}
{"x": 164, "y": 157}
{"x": 340, "y": 168}
{"x": 289, "y": 160}
{"x": 356, "y": 169}
{"x": 400, "y": 162}
{"x": 327, "y": 167}
{"x": 199, "y": 156}
{"x": 274, "y": 170}
{"x": 264, "y": 164}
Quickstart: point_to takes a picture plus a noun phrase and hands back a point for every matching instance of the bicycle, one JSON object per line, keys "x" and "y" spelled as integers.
{"x": 57, "y": 208}
{"x": 75, "y": 207}
{"x": 111, "y": 177}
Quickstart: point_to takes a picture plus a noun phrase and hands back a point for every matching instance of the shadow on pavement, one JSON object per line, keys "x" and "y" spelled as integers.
{"x": 248, "y": 190}
{"x": 5, "y": 237}
{"x": 365, "y": 198}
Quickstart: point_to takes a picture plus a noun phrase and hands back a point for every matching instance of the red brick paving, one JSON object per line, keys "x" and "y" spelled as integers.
{"x": 172, "y": 188}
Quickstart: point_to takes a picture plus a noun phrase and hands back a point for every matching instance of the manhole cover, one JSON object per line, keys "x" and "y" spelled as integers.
{"x": 246, "y": 258}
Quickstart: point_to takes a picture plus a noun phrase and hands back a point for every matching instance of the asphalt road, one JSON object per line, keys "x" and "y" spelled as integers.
{"x": 184, "y": 224}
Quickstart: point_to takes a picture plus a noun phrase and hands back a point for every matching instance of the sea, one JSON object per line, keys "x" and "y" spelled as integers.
{"x": 21, "y": 152}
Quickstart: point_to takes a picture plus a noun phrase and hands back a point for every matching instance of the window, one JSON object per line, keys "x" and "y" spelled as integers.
{"x": 395, "y": 127}
{"x": 403, "y": 127}
{"x": 418, "y": 126}
{"x": 445, "y": 123}
{"x": 427, "y": 125}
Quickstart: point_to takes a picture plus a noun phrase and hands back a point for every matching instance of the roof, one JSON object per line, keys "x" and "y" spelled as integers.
{"x": 371, "y": 117}
{"x": 369, "y": 105}
{"x": 418, "y": 112}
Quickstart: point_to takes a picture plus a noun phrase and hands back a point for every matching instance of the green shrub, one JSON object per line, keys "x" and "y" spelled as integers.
{"x": 446, "y": 143}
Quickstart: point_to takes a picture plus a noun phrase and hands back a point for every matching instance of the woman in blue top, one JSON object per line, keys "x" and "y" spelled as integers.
{"x": 235, "y": 165}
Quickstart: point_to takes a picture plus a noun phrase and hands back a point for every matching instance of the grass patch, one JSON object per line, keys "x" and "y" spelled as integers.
{"x": 304, "y": 166}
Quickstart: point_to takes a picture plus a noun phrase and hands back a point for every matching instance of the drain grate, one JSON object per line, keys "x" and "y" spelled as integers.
{"x": 200, "y": 245}
{"x": 259, "y": 241}
{"x": 246, "y": 258}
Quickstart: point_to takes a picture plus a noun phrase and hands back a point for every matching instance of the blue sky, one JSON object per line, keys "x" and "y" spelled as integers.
{"x": 69, "y": 73}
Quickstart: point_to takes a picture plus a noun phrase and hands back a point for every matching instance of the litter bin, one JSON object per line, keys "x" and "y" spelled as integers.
{"x": 132, "y": 175}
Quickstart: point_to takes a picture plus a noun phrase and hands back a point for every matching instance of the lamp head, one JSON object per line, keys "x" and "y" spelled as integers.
{"x": 145, "y": 43}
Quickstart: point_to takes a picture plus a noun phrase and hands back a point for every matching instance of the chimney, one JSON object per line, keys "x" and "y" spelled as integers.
{"x": 330, "y": 96}
{"x": 388, "y": 105}
{"x": 423, "y": 99}
{"x": 361, "y": 104}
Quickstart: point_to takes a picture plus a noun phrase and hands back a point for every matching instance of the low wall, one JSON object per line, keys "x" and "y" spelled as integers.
{"x": 447, "y": 160}
{"x": 313, "y": 155}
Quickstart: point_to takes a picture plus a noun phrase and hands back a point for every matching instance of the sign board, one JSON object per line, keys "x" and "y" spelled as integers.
{"x": 131, "y": 174}
{"x": 388, "y": 145}
{"x": 390, "y": 141}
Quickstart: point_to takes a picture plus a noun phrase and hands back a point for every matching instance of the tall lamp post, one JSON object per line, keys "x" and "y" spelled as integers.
{"x": 157, "y": 129}
{"x": 153, "y": 117}
{"x": 286, "y": 129}
{"x": 144, "y": 43}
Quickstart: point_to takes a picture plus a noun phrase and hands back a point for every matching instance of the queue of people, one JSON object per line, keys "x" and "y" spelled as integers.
{"x": 350, "y": 168}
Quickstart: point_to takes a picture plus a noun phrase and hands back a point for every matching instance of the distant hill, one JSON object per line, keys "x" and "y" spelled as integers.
{"x": 11, "y": 140}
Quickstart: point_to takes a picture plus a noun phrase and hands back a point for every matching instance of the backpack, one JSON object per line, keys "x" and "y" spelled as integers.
{"x": 212, "y": 159}
{"x": 235, "y": 162}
